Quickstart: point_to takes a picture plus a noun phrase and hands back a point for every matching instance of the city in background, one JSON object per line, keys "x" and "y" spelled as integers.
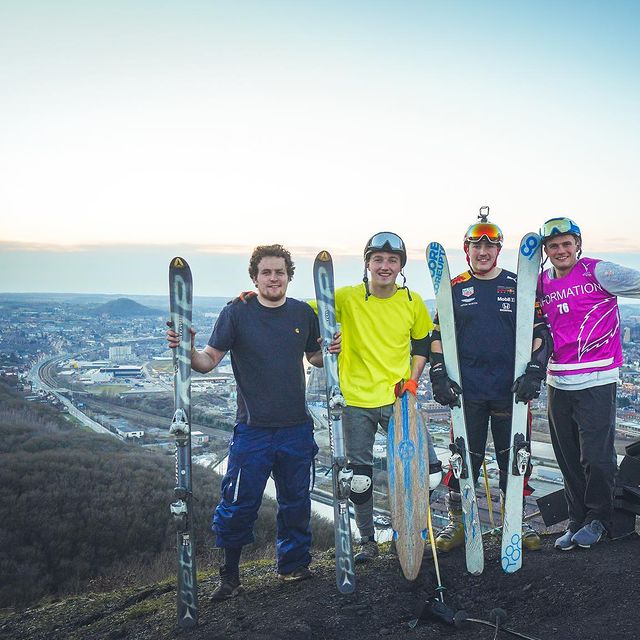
{"x": 103, "y": 362}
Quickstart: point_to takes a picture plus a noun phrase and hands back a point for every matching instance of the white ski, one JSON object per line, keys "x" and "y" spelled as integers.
{"x": 519, "y": 452}
{"x": 460, "y": 458}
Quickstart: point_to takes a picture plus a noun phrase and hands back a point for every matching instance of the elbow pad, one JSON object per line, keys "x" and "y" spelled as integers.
{"x": 421, "y": 347}
{"x": 544, "y": 351}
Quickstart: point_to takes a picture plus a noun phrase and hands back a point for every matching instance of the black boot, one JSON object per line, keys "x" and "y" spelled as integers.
{"x": 229, "y": 586}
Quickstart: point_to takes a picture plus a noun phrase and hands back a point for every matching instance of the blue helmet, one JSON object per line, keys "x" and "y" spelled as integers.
{"x": 559, "y": 227}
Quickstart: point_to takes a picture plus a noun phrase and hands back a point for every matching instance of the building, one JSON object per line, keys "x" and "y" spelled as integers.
{"x": 127, "y": 433}
{"x": 122, "y": 371}
{"x": 120, "y": 354}
{"x": 199, "y": 438}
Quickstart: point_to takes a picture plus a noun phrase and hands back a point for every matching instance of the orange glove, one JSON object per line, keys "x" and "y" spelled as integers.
{"x": 244, "y": 297}
{"x": 410, "y": 385}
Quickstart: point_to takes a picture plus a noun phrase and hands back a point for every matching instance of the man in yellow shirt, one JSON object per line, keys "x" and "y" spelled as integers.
{"x": 385, "y": 346}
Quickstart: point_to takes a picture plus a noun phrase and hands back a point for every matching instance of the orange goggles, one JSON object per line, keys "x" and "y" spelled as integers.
{"x": 484, "y": 230}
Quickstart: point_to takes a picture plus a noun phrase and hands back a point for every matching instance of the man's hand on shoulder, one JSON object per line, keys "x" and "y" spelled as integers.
{"x": 244, "y": 297}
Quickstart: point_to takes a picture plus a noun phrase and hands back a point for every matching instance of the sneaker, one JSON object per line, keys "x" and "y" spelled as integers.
{"x": 368, "y": 550}
{"x": 301, "y": 573}
{"x": 229, "y": 586}
{"x": 589, "y": 534}
{"x": 530, "y": 538}
{"x": 565, "y": 542}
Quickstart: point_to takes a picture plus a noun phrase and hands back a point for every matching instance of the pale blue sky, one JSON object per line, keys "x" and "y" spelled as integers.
{"x": 204, "y": 128}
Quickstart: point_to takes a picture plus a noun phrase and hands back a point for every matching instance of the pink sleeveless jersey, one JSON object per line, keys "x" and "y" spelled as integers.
{"x": 584, "y": 321}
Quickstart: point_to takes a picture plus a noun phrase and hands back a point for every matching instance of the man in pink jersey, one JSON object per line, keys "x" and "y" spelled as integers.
{"x": 578, "y": 298}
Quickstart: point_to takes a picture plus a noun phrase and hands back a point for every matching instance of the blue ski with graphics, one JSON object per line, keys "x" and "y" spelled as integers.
{"x": 341, "y": 473}
{"x": 180, "y": 300}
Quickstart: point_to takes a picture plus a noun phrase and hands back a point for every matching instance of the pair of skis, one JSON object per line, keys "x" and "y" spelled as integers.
{"x": 180, "y": 295}
{"x": 519, "y": 451}
{"x": 180, "y": 301}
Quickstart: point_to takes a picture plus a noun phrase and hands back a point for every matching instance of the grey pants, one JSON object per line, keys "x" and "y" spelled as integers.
{"x": 360, "y": 426}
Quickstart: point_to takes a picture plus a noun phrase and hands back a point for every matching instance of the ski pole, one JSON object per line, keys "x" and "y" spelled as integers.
{"x": 488, "y": 492}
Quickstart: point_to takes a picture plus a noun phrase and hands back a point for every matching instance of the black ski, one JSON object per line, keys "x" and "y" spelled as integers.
{"x": 341, "y": 473}
{"x": 180, "y": 297}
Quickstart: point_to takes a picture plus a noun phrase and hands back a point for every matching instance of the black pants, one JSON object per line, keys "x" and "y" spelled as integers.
{"x": 582, "y": 425}
{"x": 478, "y": 414}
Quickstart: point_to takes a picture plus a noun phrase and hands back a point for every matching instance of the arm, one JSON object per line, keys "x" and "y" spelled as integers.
{"x": 618, "y": 280}
{"x": 206, "y": 360}
{"x": 445, "y": 390}
{"x": 527, "y": 386}
{"x": 201, "y": 361}
{"x": 315, "y": 358}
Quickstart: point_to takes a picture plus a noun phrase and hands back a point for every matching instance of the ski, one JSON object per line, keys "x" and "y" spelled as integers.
{"x": 520, "y": 449}
{"x": 180, "y": 298}
{"x": 341, "y": 473}
{"x": 460, "y": 456}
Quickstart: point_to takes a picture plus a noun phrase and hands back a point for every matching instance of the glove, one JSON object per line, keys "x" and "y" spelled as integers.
{"x": 445, "y": 390}
{"x": 410, "y": 385}
{"x": 244, "y": 297}
{"x": 527, "y": 386}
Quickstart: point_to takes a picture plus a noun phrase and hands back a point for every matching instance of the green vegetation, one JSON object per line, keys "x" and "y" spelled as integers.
{"x": 79, "y": 509}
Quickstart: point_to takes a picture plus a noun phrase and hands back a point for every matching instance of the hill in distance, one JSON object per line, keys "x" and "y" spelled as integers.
{"x": 125, "y": 308}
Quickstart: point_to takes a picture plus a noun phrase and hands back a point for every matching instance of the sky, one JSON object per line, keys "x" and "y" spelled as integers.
{"x": 137, "y": 130}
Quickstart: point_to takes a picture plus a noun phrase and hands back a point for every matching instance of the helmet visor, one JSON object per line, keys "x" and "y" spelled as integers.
{"x": 490, "y": 232}
{"x": 386, "y": 241}
{"x": 558, "y": 227}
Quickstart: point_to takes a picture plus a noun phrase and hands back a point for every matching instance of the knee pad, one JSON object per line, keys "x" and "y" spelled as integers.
{"x": 361, "y": 483}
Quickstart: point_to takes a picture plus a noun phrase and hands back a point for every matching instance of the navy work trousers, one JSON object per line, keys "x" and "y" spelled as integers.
{"x": 254, "y": 454}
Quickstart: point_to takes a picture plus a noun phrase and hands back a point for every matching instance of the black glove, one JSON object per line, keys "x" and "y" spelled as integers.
{"x": 445, "y": 390}
{"x": 527, "y": 386}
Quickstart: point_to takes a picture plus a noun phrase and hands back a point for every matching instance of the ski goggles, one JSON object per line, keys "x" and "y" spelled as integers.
{"x": 559, "y": 227}
{"x": 386, "y": 240}
{"x": 487, "y": 230}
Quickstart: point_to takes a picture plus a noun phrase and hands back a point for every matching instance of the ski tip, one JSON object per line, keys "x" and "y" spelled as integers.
{"x": 179, "y": 263}
{"x": 531, "y": 246}
{"x": 324, "y": 256}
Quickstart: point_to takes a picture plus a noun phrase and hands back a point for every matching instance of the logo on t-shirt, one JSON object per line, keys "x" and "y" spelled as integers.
{"x": 467, "y": 292}
{"x": 297, "y": 330}
{"x": 507, "y": 290}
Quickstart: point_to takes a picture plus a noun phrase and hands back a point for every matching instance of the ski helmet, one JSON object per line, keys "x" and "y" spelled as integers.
{"x": 483, "y": 230}
{"x": 386, "y": 241}
{"x": 559, "y": 227}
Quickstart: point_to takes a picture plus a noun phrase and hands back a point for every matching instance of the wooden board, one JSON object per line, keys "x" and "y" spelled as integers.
{"x": 408, "y": 470}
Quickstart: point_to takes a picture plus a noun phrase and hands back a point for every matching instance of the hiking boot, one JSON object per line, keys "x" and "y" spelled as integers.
{"x": 229, "y": 586}
{"x": 589, "y": 534}
{"x": 530, "y": 538}
{"x": 368, "y": 550}
{"x": 452, "y": 535}
{"x": 301, "y": 573}
{"x": 564, "y": 542}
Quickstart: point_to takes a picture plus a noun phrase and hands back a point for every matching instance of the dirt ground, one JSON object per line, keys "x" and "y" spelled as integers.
{"x": 575, "y": 595}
